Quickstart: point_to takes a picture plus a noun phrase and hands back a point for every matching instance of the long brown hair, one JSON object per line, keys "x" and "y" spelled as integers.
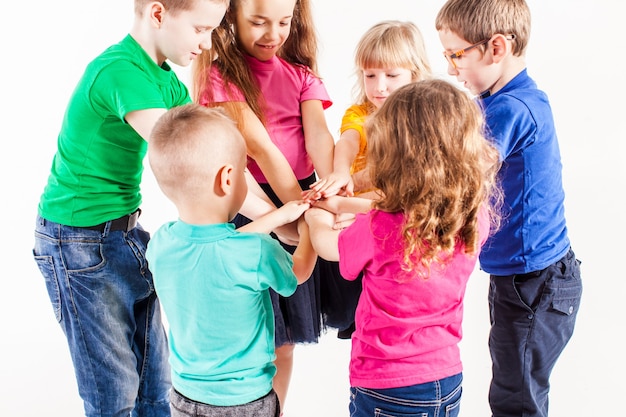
{"x": 429, "y": 157}
{"x": 300, "y": 48}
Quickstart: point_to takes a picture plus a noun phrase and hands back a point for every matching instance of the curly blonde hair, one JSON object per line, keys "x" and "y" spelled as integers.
{"x": 429, "y": 157}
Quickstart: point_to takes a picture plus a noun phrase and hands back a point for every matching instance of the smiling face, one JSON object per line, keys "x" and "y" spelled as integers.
{"x": 184, "y": 34}
{"x": 380, "y": 82}
{"x": 263, "y": 26}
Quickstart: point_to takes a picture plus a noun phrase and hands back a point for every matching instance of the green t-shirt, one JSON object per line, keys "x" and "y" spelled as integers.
{"x": 96, "y": 171}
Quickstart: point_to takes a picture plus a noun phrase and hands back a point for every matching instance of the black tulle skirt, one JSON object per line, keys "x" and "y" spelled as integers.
{"x": 324, "y": 300}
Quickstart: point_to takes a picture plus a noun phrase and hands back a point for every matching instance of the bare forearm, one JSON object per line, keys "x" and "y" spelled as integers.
{"x": 323, "y": 238}
{"x": 304, "y": 257}
{"x": 321, "y": 153}
{"x": 279, "y": 174}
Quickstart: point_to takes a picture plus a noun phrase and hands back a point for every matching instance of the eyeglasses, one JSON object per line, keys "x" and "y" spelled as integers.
{"x": 452, "y": 57}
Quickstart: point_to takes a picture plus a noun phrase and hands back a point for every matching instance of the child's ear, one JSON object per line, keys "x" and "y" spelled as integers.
{"x": 223, "y": 180}
{"x": 156, "y": 13}
{"x": 500, "y": 47}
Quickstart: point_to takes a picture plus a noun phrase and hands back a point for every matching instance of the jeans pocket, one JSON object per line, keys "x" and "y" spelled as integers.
{"x": 46, "y": 266}
{"x": 382, "y": 413}
{"x": 452, "y": 409}
{"x": 566, "y": 300}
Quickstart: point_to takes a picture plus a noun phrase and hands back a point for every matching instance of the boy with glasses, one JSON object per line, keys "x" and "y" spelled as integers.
{"x": 535, "y": 283}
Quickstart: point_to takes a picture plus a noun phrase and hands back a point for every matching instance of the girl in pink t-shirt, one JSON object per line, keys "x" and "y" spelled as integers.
{"x": 416, "y": 245}
{"x": 262, "y": 71}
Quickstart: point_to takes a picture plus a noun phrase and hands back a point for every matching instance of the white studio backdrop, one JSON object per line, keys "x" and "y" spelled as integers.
{"x": 574, "y": 55}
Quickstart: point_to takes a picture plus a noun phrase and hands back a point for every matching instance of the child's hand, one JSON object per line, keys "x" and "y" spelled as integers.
{"x": 292, "y": 210}
{"x": 337, "y": 183}
{"x": 332, "y": 204}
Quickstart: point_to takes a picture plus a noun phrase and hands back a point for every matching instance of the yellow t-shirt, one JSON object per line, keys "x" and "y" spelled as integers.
{"x": 354, "y": 118}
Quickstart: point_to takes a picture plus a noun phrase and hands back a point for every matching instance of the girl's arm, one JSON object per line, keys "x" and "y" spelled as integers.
{"x": 362, "y": 180}
{"x": 324, "y": 238}
{"x": 318, "y": 140}
{"x": 339, "y": 181}
{"x": 270, "y": 159}
{"x": 339, "y": 205}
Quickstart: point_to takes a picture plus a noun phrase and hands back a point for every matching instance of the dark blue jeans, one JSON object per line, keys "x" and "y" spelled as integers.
{"x": 102, "y": 295}
{"x": 432, "y": 399}
{"x": 532, "y": 319}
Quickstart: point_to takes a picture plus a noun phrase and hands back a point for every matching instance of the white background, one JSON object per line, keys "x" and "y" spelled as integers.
{"x": 575, "y": 55}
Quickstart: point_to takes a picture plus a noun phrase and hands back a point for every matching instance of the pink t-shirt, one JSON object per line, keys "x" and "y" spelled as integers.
{"x": 406, "y": 333}
{"x": 284, "y": 87}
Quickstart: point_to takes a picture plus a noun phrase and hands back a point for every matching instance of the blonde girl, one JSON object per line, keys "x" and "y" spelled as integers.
{"x": 388, "y": 56}
{"x": 416, "y": 247}
{"x": 263, "y": 72}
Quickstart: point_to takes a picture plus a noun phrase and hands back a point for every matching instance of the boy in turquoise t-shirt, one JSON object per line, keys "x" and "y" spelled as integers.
{"x": 88, "y": 244}
{"x": 212, "y": 280}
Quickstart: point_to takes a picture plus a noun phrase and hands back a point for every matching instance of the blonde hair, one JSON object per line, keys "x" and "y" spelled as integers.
{"x": 477, "y": 20}
{"x": 390, "y": 44}
{"x": 173, "y": 6}
{"x": 428, "y": 156}
{"x": 188, "y": 144}
{"x": 300, "y": 48}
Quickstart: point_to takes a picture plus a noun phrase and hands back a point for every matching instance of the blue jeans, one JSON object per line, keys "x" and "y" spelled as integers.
{"x": 266, "y": 406}
{"x": 532, "y": 319}
{"x": 103, "y": 297}
{"x": 432, "y": 399}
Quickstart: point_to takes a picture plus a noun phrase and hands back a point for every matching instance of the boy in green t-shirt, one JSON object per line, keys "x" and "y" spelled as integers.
{"x": 212, "y": 280}
{"x": 88, "y": 244}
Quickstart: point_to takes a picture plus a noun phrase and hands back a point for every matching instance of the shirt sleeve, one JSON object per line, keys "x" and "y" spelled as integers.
{"x": 119, "y": 88}
{"x": 355, "y": 247}
{"x": 217, "y": 91}
{"x": 314, "y": 89}
{"x": 511, "y": 125}
{"x": 276, "y": 268}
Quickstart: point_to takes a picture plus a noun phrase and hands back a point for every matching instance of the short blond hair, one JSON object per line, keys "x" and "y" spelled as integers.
{"x": 477, "y": 20}
{"x": 188, "y": 144}
{"x": 173, "y": 5}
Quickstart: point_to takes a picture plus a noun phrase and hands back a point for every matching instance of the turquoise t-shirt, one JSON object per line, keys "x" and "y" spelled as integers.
{"x": 213, "y": 284}
{"x": 96, "y": 171}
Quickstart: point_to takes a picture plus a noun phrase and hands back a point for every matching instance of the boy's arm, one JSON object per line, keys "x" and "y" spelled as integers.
{"x": 304, "y": 257}
{"x": 144, "y": 120}
{"x": 324, "y": 238}
{"x": 257, "y": 203}
{"x": 281, "y": 216}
